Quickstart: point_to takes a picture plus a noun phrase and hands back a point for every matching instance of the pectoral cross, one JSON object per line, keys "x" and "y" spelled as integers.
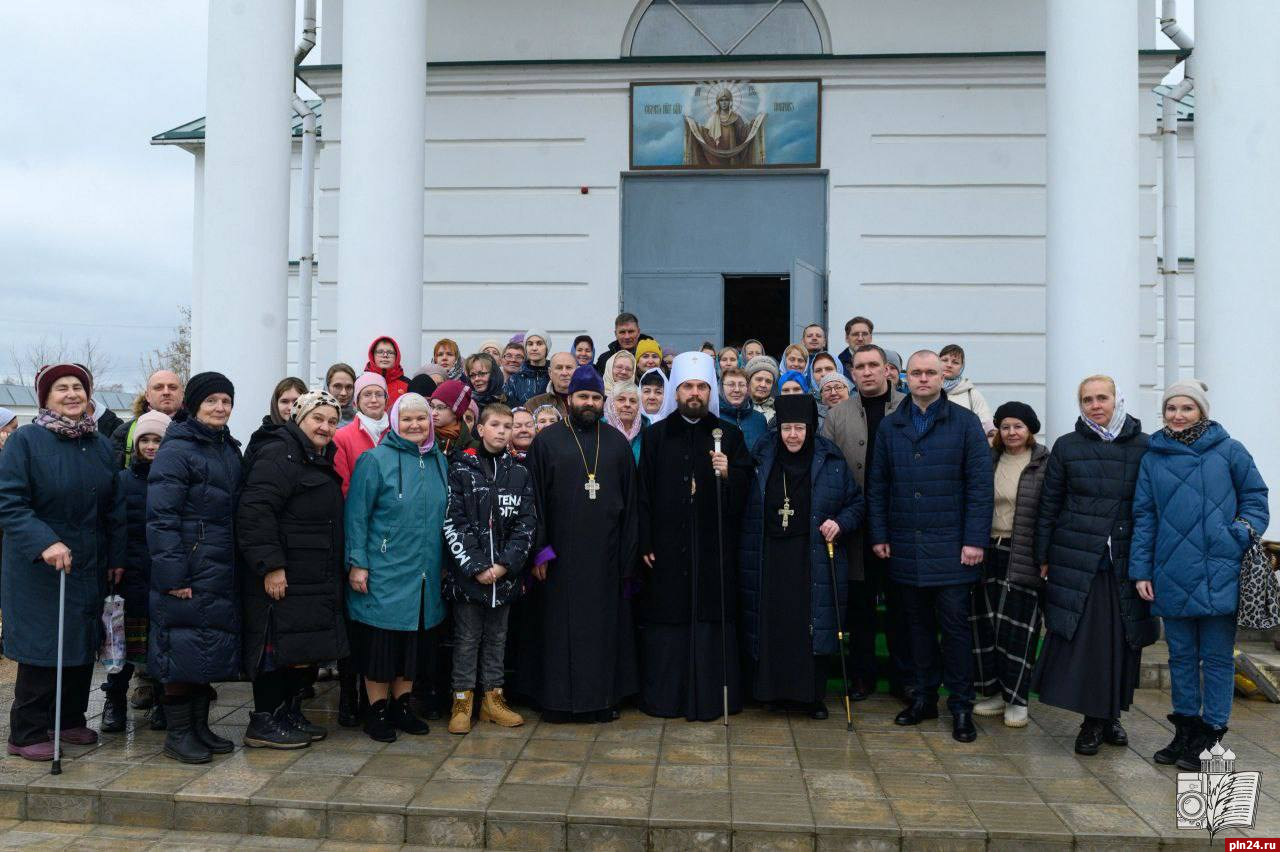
{"x": 591, "y": 486}
{"x": 786, "y": 512}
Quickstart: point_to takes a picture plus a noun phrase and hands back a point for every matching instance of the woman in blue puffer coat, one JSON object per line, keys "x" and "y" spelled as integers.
{"x": 1199, "y": 500}
{"x": 803, "y": 496}
{"x": 194, "y": 631}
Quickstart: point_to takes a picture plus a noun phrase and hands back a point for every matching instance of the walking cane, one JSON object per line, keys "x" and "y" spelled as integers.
{"x": 56, "y": 768}
{"x": 844, "y": 668}
{"x": 716, "y": 435}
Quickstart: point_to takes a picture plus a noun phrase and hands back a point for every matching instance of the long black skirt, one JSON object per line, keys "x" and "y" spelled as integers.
{"x": 786, "y": 669}
{"x": 681, "y": 672}
{"x": 1096, "y": 672}
{"x": 383, "y": 655}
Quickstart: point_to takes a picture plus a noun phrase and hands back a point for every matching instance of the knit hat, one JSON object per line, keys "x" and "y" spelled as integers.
{"x": 1019, "y": 411}
{"x": 1193, "y": 389}
{"x": 201, "y": 386}
{"x": 6, "y": 417}
{"x": 762, "y": 362}
{"x": 835, "y": 377}
{"x": 52, "y": 372}
{"x": 585, "y": 378}
{"x": 489, "y": 344}
{"x": 151, "y": 423}
{"x": 368, "y": 380}
{"x": 648, "y": 345}
{"x": 434, "y": 370}
{"x": 455, "y": 395}
{"x": 893, "y": 358}
{"x": 518, "y": 337}
{"x": 423, "y": 385}
{"x": 533, "y": 332}
{"x": 310, "y": 401}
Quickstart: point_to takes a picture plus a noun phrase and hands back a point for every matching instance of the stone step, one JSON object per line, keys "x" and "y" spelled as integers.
{"x": 1155, "y": 661}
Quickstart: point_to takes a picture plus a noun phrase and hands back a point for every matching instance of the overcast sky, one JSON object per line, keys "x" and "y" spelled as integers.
{"x": 95, "y": 223}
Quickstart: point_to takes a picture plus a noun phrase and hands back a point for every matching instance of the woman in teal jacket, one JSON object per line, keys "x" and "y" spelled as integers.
{"x": 1198, "y": 499}
{"x": 394, "y": 520}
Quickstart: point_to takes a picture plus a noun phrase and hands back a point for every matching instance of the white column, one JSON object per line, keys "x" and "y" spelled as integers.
{"x": 1237, "y": 212}
{"x": 244, "y": 308}
{"x": 1092, "y": 296}
{"x": 380, "y": 247}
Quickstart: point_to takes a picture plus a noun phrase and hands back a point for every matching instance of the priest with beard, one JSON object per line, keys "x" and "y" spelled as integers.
{"x": 577, "y": 659}
{"x": 688, "y": 634}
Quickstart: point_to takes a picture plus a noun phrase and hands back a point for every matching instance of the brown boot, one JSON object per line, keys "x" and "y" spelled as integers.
{"x": 460, "y": 715}
{"x": 494, "y": 709}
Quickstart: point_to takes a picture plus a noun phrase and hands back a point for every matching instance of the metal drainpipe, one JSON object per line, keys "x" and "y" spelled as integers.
{"x": 306, "y": 203}
{"x": 1169, "y": 176}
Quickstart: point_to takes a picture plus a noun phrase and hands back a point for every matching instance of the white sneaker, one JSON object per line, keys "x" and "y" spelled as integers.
{"x": 992, "y": 706}
{"x": 1015, "y": 716}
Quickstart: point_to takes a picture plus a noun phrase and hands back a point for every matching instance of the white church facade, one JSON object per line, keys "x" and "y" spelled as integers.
{"x": 981, "y": 172}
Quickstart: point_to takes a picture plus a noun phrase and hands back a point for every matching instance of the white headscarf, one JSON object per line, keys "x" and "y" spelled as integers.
{"x": 690, "y": 367}
{"x": 1112, "y": 430}
{"x": 657, "y": 415}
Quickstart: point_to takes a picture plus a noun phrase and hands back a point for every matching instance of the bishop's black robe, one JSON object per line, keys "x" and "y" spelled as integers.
{"x": 682, "y": 667}
{"x": 578, "y": 644}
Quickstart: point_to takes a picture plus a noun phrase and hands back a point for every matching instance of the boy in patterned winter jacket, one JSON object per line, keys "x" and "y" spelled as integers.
{"x": 488, "y": 530}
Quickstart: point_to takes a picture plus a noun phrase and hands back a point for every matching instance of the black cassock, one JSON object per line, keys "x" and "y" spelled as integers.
{"x": 681, "y": 661}
{"x": 578, "y": 645}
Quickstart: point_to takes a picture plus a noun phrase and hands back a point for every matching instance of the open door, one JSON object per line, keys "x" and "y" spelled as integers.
{"x": 808, "y": 298}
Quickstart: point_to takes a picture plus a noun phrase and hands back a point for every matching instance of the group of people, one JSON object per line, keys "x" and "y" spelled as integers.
{"x": 694, "y": 529}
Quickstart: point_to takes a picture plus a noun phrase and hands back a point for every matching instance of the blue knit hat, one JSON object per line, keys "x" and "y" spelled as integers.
{"x": 585, "y": 378}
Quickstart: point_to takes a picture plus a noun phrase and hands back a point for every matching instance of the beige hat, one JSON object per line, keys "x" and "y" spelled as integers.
{"x": 1193, "y": 389}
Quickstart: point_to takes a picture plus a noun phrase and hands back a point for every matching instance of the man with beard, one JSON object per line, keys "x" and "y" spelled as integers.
{"x": 688, "y": 639}
{"x": 578, "y": 659}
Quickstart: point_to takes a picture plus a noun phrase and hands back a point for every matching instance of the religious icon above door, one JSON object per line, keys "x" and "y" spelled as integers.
{"x": 725, "y": 124}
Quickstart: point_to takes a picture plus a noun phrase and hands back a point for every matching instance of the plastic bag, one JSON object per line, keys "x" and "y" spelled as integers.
{"x": 112, "y": 652}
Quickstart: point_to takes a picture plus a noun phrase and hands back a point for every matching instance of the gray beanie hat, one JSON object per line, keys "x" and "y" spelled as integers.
{"x": 762, "y": 362}
{"x": 1193, "y": 389}
{"x": 893, "y": 358}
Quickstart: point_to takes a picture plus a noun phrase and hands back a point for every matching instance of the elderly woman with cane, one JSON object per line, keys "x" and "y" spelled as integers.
{"x": 63, "y": 521}
{"x": 803, "y": 499}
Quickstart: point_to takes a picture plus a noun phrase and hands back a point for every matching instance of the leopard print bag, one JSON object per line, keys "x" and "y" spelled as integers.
{"x": 1259, "y": 607}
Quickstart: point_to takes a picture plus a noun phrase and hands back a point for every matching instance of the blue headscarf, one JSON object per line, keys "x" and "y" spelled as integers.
{"x": 794, "y": 376}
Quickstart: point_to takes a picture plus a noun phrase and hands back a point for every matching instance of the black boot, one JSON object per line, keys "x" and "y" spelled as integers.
{"x": 376, "y": 724}
{"x": 348, "y": 699}
{"x": 156, "y": 719}
{"x": 400, "y": 714}
{"x": 962, "y": 727}
{"x": 1183, "y": 727}
{"x": 425, "y": 701}
{"x": 180, "y": 741}
{"x": 923, "y": 706}
{"x": 293, "y": 715}
{"x": 1204, "y": 737}
{"x": 115, "y": 711}
{"x": 1113, "y": 733}
{"x": 1089, "y": 740}
{"x": 200, "y": 725}
{"x": 273, "y": 730}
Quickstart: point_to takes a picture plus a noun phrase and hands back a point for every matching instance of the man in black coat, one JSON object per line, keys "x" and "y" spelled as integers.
{"x": 688, "y": 638}
{"x": 626, "y": 333}
{"x": 930, "y": 502}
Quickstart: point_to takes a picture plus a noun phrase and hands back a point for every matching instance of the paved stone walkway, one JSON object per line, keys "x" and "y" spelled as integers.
{"x": 769, "y": 781}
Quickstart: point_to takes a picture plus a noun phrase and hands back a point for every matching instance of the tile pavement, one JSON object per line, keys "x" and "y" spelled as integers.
{"x": 769, "y": 781}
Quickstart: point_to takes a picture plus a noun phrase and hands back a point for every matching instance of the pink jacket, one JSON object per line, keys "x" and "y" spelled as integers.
{"x": 350, "y": 442}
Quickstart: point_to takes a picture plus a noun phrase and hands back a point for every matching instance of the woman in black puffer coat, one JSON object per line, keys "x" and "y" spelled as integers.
{"x": 290, "y": 533}
{"x": 194, "y": 619}
{"x": 1097, "y": 624}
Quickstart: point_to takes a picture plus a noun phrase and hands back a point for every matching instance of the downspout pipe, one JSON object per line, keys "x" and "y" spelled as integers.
{"x": 1169, "y": 177}
{"x": 306, "y": 199}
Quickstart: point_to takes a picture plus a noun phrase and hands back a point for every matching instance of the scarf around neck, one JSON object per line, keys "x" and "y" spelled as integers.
{"x": 949, "y": 385}
{"x": 1189, "y": 435}
{"x": 1112, "y": 430}
{"x": 375, "y": 429}
{"x": 65, "y": 427}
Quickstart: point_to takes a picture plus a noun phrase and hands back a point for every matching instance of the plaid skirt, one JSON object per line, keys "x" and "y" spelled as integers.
{"x": 1006, "y": 620}
{"x": 135, "y": 640}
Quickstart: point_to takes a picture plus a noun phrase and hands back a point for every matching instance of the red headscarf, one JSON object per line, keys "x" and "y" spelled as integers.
{"x": 397, "y": 384}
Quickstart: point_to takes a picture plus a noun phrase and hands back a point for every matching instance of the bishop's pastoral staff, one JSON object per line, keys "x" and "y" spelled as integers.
{"x": 579, "y": 644}
{"x": 688, "y": 475}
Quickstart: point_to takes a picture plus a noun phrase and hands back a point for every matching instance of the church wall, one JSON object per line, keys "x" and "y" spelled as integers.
{"x": 936, "y": 176}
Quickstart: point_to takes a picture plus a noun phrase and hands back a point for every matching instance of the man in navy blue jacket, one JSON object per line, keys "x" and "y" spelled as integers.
{"x": 929, "y": 500}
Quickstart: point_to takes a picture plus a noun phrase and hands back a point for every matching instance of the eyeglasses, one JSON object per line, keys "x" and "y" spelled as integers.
{"x": 475, "y": 374}
{"x": 391, "y": 352}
